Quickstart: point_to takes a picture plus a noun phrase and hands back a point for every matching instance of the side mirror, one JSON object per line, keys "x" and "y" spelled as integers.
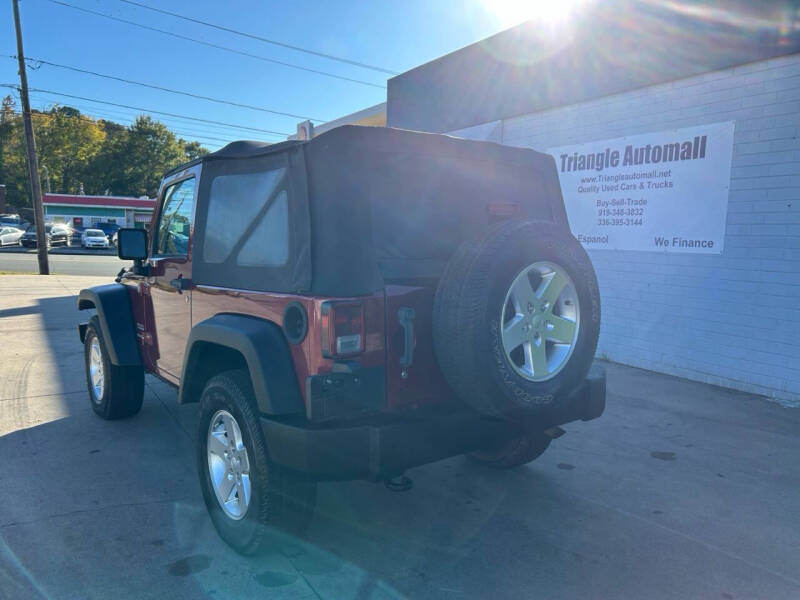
{"x": 132, "y": 244}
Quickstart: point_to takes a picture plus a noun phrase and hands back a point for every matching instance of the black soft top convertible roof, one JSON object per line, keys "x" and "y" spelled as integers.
{"x": 376, "y": 204}
{"x": 382, "y": 139}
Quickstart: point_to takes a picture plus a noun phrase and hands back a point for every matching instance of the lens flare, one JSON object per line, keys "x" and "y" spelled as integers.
{"x": 547, "y": 12}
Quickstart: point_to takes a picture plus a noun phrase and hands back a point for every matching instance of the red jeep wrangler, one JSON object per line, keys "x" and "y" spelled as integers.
{"x": 351, "y": 307}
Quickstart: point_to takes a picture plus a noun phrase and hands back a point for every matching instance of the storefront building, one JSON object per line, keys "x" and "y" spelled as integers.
{"x": 676, "y": 135}
{"x": 372, "y": 116}
{"x": 85, "y": 211}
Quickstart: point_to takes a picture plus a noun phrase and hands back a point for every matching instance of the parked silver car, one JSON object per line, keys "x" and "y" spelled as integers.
{"x": 9, "y": 236}
{"x": 94, "y": 238}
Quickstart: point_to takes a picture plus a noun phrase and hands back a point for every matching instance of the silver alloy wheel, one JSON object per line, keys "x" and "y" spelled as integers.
{"x": 228, "y": 464}
{"x": 96, "y": 370}
{"x": 540, "y": 320}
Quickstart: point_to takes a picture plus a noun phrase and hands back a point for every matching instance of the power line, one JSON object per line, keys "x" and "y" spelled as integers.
{"x": 96, "y": 121}
{"x": 259, "y": 38}
{"x": 197, "y": 134}
{"x": 92, "y": 112}
{"x": 212, "y": 45}
{"x": 116, "y": 114}
{"x": 51, "y": 115}
{"x": 147, "y": 110}
{"x": 188, "y": 136}
{"x": 171, "y": 91}
{"x": 95, "y": 114}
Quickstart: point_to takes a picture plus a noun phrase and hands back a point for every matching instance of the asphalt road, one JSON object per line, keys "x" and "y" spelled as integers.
{"x": 85, "y": 264}
{"x": 680, "y": 491}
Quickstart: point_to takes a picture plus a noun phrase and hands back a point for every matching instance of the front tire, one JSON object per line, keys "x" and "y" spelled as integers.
{"x": 114, "y": 392}
{"x": 249, "y": 498}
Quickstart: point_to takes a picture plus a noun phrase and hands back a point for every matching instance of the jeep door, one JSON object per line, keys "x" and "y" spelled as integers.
{"x": 171, "y": 273}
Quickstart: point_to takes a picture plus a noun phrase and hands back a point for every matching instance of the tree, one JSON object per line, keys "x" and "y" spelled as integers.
{"x": 148, "y": 150}
{"x": 193, "y": 149}
{"x": 6, "y": 126}
{"x": 104, "y": 175}
{"x": 13, "y": 162}
{"x": 106, "y": 157}
{"x": 67, "y": 143}
{"x": 152, "y": 149}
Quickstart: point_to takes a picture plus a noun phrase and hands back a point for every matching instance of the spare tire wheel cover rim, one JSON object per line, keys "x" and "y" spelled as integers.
{"x": 540, "y": 321}
{"x": 228, "y": 465}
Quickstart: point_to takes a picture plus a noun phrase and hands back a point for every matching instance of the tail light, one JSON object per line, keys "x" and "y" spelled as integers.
{"x": 342, "y": 329}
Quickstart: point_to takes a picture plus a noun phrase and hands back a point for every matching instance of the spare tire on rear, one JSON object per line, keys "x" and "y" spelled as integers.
{"x": 516, "y": 318}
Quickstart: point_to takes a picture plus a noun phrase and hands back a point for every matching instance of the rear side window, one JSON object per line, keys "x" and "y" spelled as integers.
{"x": 247, "y": 219}
{"x": 252, "y": 228}
{"x": 174, "y": 222}
{"x": 268, "y": 245}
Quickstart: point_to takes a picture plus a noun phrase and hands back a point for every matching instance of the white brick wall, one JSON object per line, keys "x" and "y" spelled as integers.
{"x": 730, "y": 319}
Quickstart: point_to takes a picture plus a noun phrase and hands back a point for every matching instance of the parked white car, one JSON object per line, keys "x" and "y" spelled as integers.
{"x": 94, "y": 238}
{"x": 9, "y": 236}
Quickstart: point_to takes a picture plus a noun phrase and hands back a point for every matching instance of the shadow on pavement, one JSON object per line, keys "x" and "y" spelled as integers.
{"x": 22, "y": 310}
{"x": 114, "y": 510}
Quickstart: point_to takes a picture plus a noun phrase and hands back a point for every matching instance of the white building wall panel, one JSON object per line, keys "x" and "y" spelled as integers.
{"x": 731, "y": 319}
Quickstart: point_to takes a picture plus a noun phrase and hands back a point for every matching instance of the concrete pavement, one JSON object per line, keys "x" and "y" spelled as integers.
{"x": 680, "y": 490}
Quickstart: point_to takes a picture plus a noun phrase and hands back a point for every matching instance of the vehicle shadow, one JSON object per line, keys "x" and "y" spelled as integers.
{"x": 61, "y": 317}
{"x": 44, "y": 355}
{"x": 119, "y": 505}
{"x": 462, "y": 530}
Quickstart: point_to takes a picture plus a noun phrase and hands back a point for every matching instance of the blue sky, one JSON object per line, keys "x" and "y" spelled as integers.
{"x": 394, "y": 35}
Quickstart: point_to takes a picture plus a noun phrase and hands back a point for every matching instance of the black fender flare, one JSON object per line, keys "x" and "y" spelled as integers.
{"x": 113, "y": 306}
{"x": 266, "y": 352}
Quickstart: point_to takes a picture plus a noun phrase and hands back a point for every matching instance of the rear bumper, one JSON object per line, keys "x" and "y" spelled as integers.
{"x": 384, "y": 449}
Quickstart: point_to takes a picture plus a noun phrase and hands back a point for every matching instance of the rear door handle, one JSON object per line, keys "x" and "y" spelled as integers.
{"x": 180, "y": 284}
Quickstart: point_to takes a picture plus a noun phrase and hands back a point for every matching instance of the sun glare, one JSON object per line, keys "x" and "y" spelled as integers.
{"x": 551, "y": 12}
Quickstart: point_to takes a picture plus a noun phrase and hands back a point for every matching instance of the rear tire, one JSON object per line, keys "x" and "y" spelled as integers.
{"x": 114, "y": 392}
{"x": 513, "y": 453}
{"x": 278, "y": 502}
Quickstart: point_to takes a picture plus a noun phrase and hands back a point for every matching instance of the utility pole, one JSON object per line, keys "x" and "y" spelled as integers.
{"x": 33, "y": 161}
